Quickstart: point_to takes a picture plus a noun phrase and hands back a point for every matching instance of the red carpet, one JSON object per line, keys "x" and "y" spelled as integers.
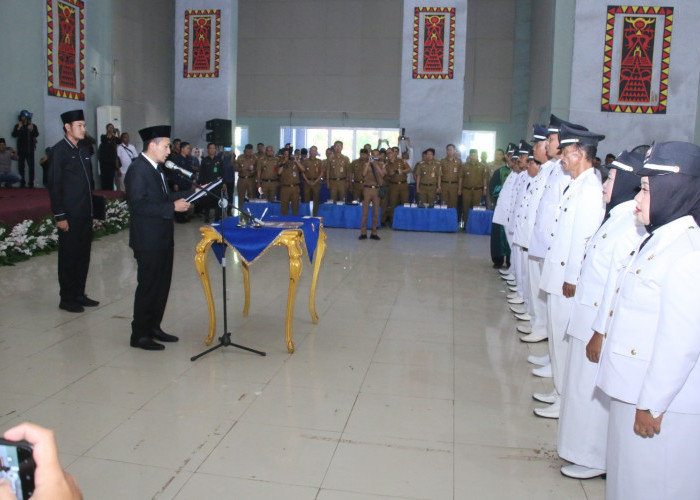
{"x": 18, "y": 204}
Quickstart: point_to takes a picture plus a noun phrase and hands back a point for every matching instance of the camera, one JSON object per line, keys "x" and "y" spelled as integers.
{"x": 17, "y": 467}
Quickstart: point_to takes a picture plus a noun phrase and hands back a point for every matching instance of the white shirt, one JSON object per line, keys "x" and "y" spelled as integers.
{"x": 126, "y": 155}
{"x": 650, "y": 355}
{"x": 547, "y": 210}
{"x": 525, "y": 218}
{"x": 505, "y": 200}
{"x": 521, "y": 182}
{"x": 580, "y": 213}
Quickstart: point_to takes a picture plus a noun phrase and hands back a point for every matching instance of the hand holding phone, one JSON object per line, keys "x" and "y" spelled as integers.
{"x": 50, "y": 480}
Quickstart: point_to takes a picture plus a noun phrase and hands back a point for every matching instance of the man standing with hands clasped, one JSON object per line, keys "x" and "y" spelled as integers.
{"x": 151, "y": 207}
{"x": 70, "y": 189}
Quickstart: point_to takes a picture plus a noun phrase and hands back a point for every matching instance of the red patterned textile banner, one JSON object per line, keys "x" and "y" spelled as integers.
{"x": 433, "y": 42}
{"x": 637, "y": 59}
{"x": 202, "y": 43}
{"x": 65, "y": 48}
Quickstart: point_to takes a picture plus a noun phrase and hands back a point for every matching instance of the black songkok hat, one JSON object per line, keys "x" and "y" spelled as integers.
{"x": 154, "y": 132}
{"x": 628, "y": 161}
{"x": 72, "y": 116}
{"x": 511, "y": 148}
{"x": 674, "y": 157}
{"x": 524, "y": 148}
{"x": 539, "y": 132}
{"x": 571, "y": 135}
{"x": 555, "y": 124}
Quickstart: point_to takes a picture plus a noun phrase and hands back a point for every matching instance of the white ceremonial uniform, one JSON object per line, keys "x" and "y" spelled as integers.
{"x": 583, "y": 418}
{"x": 505, "y": 200}
{"x": 522, "y": 229}
{"x": 522, "y": 182}
{"x": 535, "y": 299}
{"x": 580, "y": 214}
{"x": 650, "y": 361}
{"x": 543, "y": 231}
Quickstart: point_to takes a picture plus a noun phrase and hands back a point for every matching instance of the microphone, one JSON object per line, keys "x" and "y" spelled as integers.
{"x": 179, "y": 170}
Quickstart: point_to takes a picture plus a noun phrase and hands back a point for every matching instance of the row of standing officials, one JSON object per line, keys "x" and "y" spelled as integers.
{"x": 609, "y": 275}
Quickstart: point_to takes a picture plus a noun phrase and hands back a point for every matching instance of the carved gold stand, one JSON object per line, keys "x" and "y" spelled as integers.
{"x": 292, "y": 239}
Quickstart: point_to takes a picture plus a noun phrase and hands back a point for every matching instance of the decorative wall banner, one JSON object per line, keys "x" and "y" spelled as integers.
{"x": 202, "y": 43}
{"x": 433, "y": 43}
{"x": 637, "y": 59}
{"x": 65, "y": 48}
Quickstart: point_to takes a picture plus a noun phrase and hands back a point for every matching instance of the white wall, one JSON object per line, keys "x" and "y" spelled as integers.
{"x": 626, "y": 130}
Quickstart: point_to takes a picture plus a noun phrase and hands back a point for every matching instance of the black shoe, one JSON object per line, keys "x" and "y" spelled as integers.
{"x": 374, "y": 237}
{"x": 146, "y": 343}
{"x": 73, "y": 307}
{"x": 86, "y": 301}
{"x": 362, "y": 237}
{"x": 163, "y": 337}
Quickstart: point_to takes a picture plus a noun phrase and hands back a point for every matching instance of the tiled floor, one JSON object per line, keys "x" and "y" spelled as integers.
{"x": 412, "y": 385}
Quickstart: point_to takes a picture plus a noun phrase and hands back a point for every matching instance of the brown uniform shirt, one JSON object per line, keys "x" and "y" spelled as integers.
{"x": 246, "y": 165}
{"x": 338, "y": 167}
{"x": 450, "y": 169}
{"x": 376, "y": 178}
{"x": 313, "y": 168}
{"x": 473, "y": 174}
{"x": 428, "y": 171}
{"x": 267, "y": 168}
{"x": 290, "y": 173}
{"x": 356, "y": 169}
{"x": 400, "y": 165}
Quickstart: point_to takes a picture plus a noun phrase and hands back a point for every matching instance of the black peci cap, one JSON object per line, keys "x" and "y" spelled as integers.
{"x": 571, "y": 135}
{"x": 72, "y": 116}
{"x": 154, "y": 132}
{"x": 673, "y": 157}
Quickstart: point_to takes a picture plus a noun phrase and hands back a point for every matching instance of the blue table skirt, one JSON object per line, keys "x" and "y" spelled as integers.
{"x": 479, "y": 221}
{"x": 258, "y": 208}
{"x": 347, "y": 216}
{"x": 426, "y": 219}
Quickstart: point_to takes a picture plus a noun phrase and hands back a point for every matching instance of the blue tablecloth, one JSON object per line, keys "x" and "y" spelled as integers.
{"x": 479, "y": 221}
{"x": 426, "y": 219}
{"x": 347, "y": 216}
{"x": 251, "y": 242}
{"x": 257, "y": 209}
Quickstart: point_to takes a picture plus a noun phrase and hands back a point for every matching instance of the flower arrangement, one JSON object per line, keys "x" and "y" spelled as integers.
{"x": 30, "y": 238}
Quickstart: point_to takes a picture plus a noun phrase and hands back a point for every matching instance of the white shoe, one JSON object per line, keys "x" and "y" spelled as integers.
{"x": 523, "y": 316}
{"x": 544, "y": 397}
{"x": 511, "y": 283}
{"x": 513, "y": 288}
{"x": 518, "y": 309}
{"x": 538, "y": 360}
{"x": 551, "y": 411}
{"x": 508, "y": 277}
{"x": 526, "y": 329}
{"x": 543, "y": 371}
{"x": 533, "y": 338}
{"x": 516, "y": 300}
{"x": 581, "y": 472}
{"x": 512, "y": 295}
{"x": 504, "y": 272}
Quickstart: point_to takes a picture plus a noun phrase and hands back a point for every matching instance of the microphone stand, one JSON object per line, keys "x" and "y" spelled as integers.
{"x": 225, "y": 339}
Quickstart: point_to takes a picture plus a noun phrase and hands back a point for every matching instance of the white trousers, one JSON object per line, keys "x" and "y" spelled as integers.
{"x": 537, "y": 307}
{"x": 583, "y": 418}
{"x": 558, "y": 310}
{"x": 525, "y": 277}
{"x": 515, "y": 267}
{"x": 664, "y": 466}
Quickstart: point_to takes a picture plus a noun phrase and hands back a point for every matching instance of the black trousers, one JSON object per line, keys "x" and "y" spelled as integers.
{"x": 155, "y": 270}
{"x": 107, "y": 176}
{"x": 28, "y": 158}
{"x": 74, "y": 257}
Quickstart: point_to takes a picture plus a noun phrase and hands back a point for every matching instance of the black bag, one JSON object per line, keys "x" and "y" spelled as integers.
{"x": 382, "y": 191}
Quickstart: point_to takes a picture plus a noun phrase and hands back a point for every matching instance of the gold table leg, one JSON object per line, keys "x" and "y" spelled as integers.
{"x": 246, "y": 288}
{"x": 209, "y": 237}
{"x": 292, "y": 240}
{"x": 318, "y": 257}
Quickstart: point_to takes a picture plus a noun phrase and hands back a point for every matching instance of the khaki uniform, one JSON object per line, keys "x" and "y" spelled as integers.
{"x": 267, "y": 175}
{"x": 290, "y": 175}
{"x": 357, "y": 186}
{"x": 245, "y": 166}
{"x": 428, "y": 171}
{"x": 338, "y": 176}
{"x": 450, "y": 169}
{"x": 473, "y": 177}
{"x": 398, "y": 185}
{"x": 313, "y": 170}
{"x": 370, "y": 194}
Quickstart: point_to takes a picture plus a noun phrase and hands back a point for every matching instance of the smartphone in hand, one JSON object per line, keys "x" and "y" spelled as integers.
{"x": 17, "y": 467}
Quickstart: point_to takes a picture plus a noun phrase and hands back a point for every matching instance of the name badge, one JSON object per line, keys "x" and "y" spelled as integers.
{"x": 294, "y": 174}
{"x": 432, "y": 175}
{"x": 455, "y": 170}
{"x": 341, "y": 170}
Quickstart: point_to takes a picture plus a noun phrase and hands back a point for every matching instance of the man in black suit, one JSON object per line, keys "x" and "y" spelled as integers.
{"x": 70, "y": 189}
{"x": 151, "y": 207}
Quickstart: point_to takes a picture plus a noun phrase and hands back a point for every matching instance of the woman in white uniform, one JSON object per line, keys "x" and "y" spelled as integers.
{"x": 583, "y": 421}
{"x": 649, "y": 364}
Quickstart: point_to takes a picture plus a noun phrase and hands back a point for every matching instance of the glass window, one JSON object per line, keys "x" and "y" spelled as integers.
{"x": 317, "y": 137}
{"x": 391, "y": 136}
{"x": 346, "y": 135}
{"x": 366, "y": 136}
{"x": 483, "y": 141}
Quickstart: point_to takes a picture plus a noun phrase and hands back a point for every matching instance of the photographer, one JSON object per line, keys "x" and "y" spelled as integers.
{"x": 26, "y": 133}
{"x": 373, "y": 175}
